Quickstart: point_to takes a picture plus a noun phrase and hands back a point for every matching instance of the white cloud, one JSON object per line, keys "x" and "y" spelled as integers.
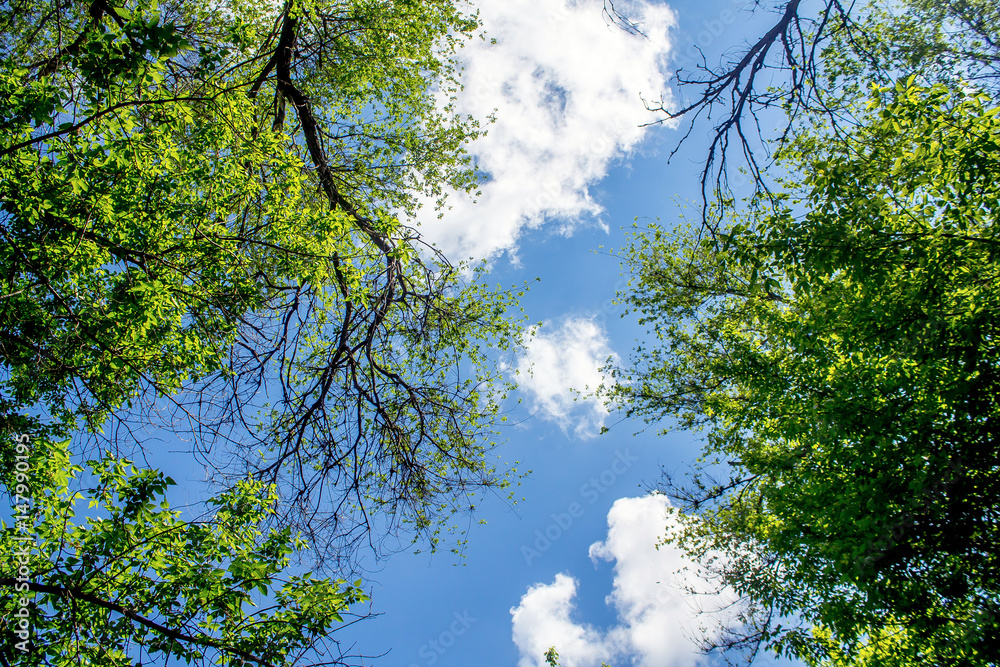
{"x": 656, "y": 618}
{"x": 543, "y": 620}
{"x": 566, "y": 87}
{"x": 655, "y": 613}
{"x": 560, "y": 367}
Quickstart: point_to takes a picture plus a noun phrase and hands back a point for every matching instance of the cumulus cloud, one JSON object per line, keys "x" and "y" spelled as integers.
{"x": 559, "y": 368}
{"x": 567, "y": 87}
{"x": 655, "y": 613}
{"x": 543, "y": 620}
{"x": 656, "y": 618}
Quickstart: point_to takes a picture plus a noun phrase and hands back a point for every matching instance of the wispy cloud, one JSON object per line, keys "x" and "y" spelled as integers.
{"x": 558, "y": 370}
{"x": 656, "y": 618}
{"x": 567, "y": 88}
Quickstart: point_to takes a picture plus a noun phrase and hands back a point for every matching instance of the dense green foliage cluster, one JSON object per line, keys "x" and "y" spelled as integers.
{"x": 841, "y": 352}
{"x": 133, "y": 580}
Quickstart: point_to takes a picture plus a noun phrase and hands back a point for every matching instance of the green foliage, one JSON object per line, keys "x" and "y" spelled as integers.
{"x": 113, "y": 576}
{"x": 888, "y": 645}
{"x": 841, "y": 351}
{"x": 207, "y": 219}
{"x": 952, "y": 42}
{"x": 126, "y": 269}
{"x": 552, "y": 658}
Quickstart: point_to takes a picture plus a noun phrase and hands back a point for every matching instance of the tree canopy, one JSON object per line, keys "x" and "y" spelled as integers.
{"x": 208, "y": 220}
{"x": 834, "y": 335}
{"x": 840, "y": 353}
{"x": 130, "y": 581}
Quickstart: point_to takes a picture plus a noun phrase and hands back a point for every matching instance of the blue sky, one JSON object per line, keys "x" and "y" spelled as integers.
{"x": 574, "y": 563}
